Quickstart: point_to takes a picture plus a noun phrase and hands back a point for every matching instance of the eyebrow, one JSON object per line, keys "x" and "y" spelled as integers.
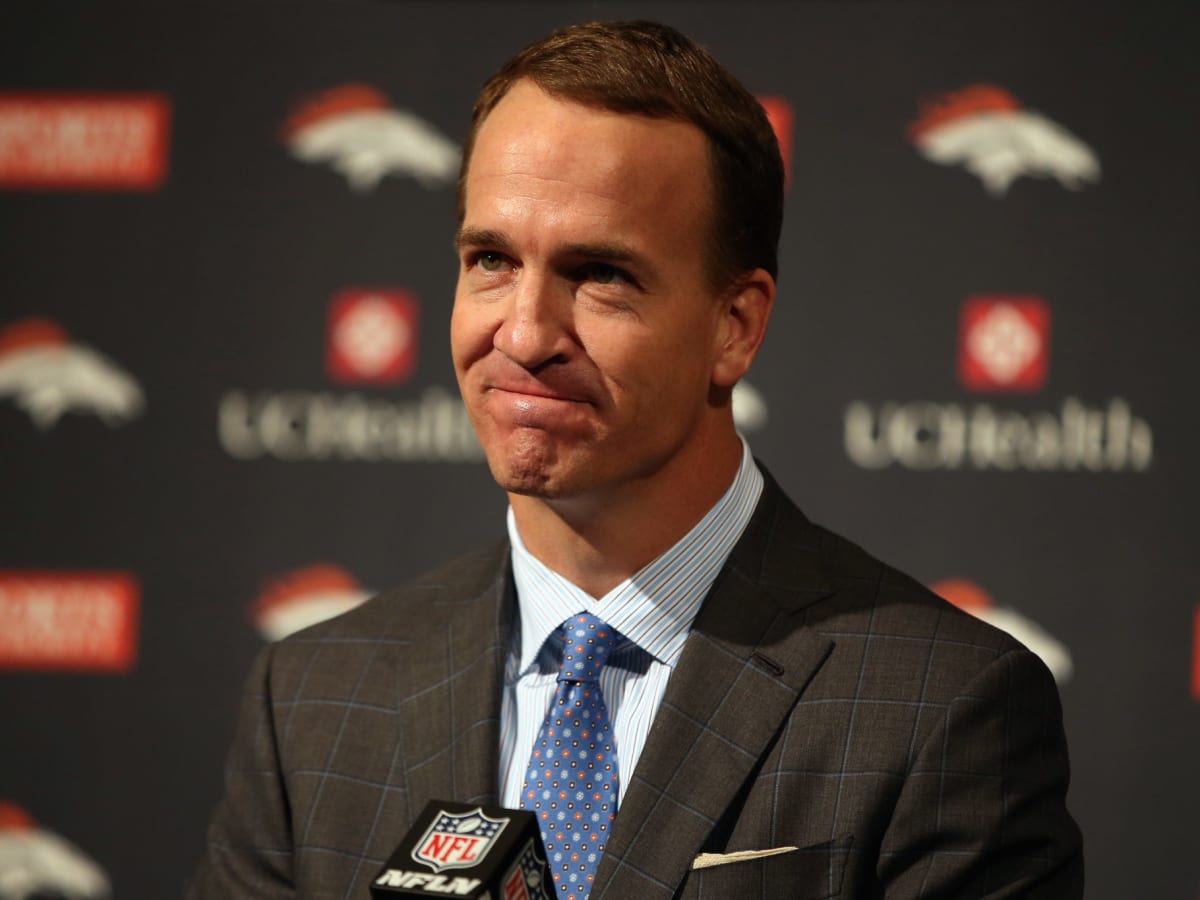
{"x": 610, "y": 252}
{"x": 480, "y": 237}
{"x": 606, "y": 251}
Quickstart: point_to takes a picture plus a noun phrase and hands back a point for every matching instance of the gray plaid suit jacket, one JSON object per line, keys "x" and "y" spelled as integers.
{"x": 823, "y": 702}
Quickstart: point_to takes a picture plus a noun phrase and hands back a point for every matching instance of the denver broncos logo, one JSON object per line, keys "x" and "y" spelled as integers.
{"x": 356, "y": 130}
{"x": 304, "y": 597}
{"x": 47, "y": 375}
{"x": 984, "y": 129}
{"x": 749, "y": 407}
{"x": 36, "y": 863}
{"x": 970, "y": 597}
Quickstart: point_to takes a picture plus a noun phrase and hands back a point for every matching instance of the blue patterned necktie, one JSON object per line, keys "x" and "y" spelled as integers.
{"x": 571, "y": 783}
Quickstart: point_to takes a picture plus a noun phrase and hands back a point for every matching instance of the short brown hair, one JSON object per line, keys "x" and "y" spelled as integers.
{"x": 649, "y": 69}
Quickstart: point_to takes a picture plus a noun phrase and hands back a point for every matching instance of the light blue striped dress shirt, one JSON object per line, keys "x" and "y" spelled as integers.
{"x": 653, "y": 611}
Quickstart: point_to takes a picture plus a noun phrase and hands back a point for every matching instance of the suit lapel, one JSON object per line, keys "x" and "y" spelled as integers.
{"x": 450, "y": 730}
{"x": 743, "y": 667}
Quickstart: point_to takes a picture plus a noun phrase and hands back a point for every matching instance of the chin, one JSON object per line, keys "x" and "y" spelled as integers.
{"x": 524, "y": 462}
{"x": 527, "y": 472}
{"x": 536, "y": 479}
{"x": 528, "y": 484}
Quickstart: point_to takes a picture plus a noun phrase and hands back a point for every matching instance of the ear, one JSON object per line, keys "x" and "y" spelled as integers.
{"x": 745, "y": 311}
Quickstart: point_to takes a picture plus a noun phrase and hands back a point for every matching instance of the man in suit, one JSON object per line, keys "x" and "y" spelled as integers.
{"x": 783, "y": 715}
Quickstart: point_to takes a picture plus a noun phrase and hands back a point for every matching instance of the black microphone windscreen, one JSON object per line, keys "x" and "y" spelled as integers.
{"x": 461, "y": 850}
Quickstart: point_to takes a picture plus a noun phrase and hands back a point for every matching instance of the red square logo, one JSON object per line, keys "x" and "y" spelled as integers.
{"x": 779, "y": 114}
{"x": 1004, "y": 343}
{"x": 372, "y": 336}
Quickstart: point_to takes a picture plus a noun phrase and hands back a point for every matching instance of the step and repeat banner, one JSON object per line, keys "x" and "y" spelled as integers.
{"x": 227, "y": 408}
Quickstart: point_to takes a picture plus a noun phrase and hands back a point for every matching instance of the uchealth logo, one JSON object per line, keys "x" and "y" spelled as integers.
{"x": 1003, "y": 348}
{"x": 987, "y": 131}
{"x": 1004, "y": 343}
{"x": 970, "y": 597}
{"x": 37, "y": 863}
{"x": 305, "y": 597}
{"x": 87, "y": 141}
{"x": 68, "y": 621}
{"x": 302, "y": 425}
{"x": 371, "y": 341}
{"x": 355, "y": 129}
{"x": 372, "y": 336}
{"x": 926, "y": 435}
{"x": 47, "y": 375}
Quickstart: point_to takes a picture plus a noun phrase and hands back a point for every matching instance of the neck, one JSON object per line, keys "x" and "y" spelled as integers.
{"x": 599, "y": 540}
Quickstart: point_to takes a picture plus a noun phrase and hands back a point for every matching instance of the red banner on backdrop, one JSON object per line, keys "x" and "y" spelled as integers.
{"x": 1196, "y": 656}
{"x": 92, "y": 141}
{"x": 83, "y": 621}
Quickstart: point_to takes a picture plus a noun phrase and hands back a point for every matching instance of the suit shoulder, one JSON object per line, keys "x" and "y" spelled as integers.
{"x": 897, "y": 604}
{"x": 416, "y": 604}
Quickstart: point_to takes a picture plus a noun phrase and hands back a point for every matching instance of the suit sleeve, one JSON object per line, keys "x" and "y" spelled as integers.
{"x": 250, "y": 839}
{"x": 983, "y": 811}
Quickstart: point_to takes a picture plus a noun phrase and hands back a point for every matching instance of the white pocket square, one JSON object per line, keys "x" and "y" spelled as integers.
{"x": 708, "y": 860}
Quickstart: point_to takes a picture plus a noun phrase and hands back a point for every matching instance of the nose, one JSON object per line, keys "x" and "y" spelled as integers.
{"x": 536, "y": 329}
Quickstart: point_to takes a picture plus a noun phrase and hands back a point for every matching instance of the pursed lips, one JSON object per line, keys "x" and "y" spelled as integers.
{"x": 537, "y": 392}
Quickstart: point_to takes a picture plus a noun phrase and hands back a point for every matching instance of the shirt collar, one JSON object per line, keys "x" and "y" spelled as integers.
{"x": 656, "y": 607}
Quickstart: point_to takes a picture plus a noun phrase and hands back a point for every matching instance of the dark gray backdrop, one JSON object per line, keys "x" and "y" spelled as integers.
{"x": 221, "y": 282}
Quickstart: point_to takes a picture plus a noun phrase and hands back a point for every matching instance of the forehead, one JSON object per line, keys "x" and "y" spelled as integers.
{"x": 550, "y": 159}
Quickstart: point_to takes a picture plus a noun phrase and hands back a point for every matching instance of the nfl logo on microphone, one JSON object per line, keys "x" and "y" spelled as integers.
{"x": 456, "y": 841}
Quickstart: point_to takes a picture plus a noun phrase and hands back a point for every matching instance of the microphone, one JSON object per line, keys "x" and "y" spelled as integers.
{"x": 460, "y": 850}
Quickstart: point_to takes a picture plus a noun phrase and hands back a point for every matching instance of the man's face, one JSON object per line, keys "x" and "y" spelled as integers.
{"x": 585, "y": 329}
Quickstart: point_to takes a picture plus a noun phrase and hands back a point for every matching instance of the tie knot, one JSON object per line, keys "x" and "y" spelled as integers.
{"x": 587, "y": 642}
